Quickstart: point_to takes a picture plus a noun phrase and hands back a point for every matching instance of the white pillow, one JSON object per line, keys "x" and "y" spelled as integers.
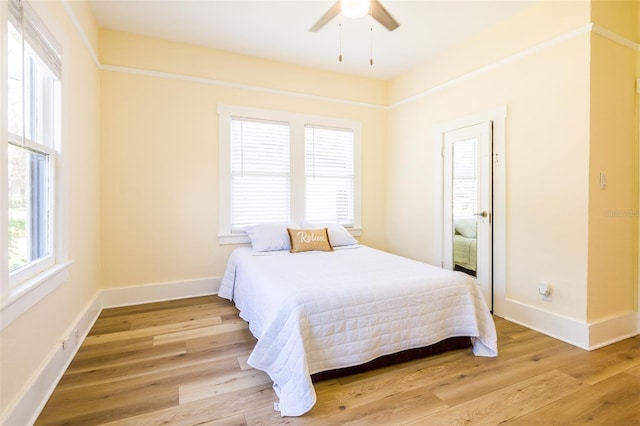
{"x": 338, "y": 234}
{"x": 269, "y": 236}
{"x": 466, "y": 227}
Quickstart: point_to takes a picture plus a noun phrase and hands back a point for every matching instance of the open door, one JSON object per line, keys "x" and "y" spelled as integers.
{"x": 467, "y": 209}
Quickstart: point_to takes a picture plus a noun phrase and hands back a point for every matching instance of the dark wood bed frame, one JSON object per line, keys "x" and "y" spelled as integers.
{"x": 449, "y": 344}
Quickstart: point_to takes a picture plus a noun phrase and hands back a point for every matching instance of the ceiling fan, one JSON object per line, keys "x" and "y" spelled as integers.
{"x": 357, "y": 9}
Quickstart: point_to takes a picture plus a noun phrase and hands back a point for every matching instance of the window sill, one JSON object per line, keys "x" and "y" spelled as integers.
{"x": 25, "y": 295}
{"x": 226, "y": 239}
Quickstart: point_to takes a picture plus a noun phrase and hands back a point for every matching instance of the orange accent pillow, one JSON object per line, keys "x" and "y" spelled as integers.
{"x": 309, "y": 240}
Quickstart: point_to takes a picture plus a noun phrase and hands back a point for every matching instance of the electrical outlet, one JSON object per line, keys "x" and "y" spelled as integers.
{"x": 545, "y": 289}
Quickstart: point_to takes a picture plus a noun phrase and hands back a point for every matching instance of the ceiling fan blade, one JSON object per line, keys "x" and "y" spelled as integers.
{"x": 381, "y": 15}
{"x": 333, "y": 11}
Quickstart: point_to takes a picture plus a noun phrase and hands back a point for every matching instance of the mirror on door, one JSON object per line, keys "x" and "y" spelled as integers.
{"x": 465, "y": 205}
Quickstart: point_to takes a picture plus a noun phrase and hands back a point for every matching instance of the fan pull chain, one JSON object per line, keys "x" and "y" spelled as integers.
{"x": 371, "y": 47}
{"x": 340, "y": 41}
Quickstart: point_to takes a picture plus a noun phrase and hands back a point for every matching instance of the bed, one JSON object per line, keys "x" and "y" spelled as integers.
{"x": 464, "y": 244}
{"x": 317, "y": 311}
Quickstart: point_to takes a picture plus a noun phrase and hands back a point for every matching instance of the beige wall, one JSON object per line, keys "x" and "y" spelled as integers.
{"x": 27, "y": 343}
{"x": 159, "y": 150}
{"x": 546, "y": 92}
{"x": 613, "y": 214}
{"x": 612, "y": 211}
{"x": 537, "y": 24}
{"x": 571, "y": 114}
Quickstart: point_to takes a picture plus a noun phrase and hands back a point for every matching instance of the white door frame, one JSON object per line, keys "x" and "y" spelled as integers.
{"x": 482, "y": 134}
{"x": 498, "y": 116}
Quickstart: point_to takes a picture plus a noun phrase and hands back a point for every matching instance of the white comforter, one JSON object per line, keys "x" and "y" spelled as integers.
{"x": 318, "y": 311}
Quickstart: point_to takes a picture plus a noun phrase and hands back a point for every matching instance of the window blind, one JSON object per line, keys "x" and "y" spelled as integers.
{"x": 329, "y": 175}
{"x": 260, "y": 189}
{"x": 36, "y": 34}
{"x": 465, "y": 175}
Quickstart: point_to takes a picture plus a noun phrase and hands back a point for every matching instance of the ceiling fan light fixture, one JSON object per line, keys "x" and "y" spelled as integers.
{"x": 355, "y": 8}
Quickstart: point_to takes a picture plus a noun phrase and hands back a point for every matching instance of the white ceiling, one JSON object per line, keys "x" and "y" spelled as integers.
{"x": 278, "y": 30}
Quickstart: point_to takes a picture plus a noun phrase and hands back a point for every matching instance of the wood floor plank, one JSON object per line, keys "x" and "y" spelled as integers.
{"x": 221, "y": 384}
{"x": 100, "y": 361}
{"x": 492, "y": 374}
{"x": 507, "y": 403}
{"x": 369, "y": 390}
{"x": 635, "y": 371}
{"x": 400, "y": 407}
{"x": 206, "y": 410}
{"x": 606, "y": 362}
{"x": 614, "y": 401}
{"x": 98, "y": 404}
{"x": 193, "y": 333}
{"x": 205, "y": 343}
{"x": 184, "y": 314}
{"x": 160, "y": 306}
{"x": 98, "y": 339}
{"x": 125, "y": 346}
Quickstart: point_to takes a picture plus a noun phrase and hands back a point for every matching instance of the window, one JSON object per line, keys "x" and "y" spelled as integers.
{"x": 465, "y": 177}
{"x": 282, "y": 167}
{"x": 32, "y": 100}
{"x": 328, "y": 175}
{"x": 259, "y": 172}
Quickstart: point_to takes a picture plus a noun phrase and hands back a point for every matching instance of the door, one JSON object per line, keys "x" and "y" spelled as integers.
{"x": 467, "y": 208}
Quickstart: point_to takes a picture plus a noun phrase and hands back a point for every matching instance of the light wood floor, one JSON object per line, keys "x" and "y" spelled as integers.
{"x": 184, "y": 363}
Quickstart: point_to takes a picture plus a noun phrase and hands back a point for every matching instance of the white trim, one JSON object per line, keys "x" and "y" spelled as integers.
{"x": 498, "y": 116}
{"x": 29, "y": 290}
{"x": 201, "y": 80}
{"x": 297, "y": 122}
{"x": 159, "y": 292}
{"x": 544, "y": 45}
{"x": 526, "y": 52}
{"x": 557, "y": 326}
{"x": 616, "y": 38}
{"x": 222, "y": 83}
{"x": 81, "y": 32}
{"x": 4, "y": 184}
{"x": 27, "y": 407}
{"x": 612, "y": 329}
{"x": 587, "y": 336}
{"x": 490, "y": 67}
{"x": 27, "y": 294}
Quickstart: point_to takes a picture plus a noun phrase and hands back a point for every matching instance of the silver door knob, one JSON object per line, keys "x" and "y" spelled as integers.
{"x": 482, "y": 214}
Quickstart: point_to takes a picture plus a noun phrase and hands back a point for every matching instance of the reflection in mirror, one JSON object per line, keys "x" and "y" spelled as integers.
{"x": 465, "y": 205}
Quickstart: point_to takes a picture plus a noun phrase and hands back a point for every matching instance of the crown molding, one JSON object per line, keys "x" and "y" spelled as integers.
{"x": 589, "y": 28}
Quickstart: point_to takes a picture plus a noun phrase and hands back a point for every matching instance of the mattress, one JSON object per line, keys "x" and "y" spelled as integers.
{"x": 464, "y": 252}
{"x": 319, "y": 311}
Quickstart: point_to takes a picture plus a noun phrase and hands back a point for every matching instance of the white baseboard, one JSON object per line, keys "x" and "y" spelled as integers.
{"x": 28, "y": 406}
{"x": 613, "y": 329}
{"x": 26, "y": 409}
{"x": 588, "y": 336}
{"x": 148, "y": 293}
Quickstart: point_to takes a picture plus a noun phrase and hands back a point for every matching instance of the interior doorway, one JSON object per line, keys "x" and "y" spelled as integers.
{"x": 468, "y": 203}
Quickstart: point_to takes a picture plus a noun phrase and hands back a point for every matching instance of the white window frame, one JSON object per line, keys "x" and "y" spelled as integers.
{"x": 297, "y": 124}
{"x": 22, "y": 290}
